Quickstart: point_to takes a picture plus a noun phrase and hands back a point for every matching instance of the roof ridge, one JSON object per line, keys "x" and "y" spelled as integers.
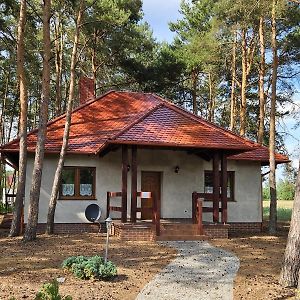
{"x": 201, "y": 120}
{"x": 50, "y": 122}
{"x": 144, "y": 116}
{"x": 126, "y": 128}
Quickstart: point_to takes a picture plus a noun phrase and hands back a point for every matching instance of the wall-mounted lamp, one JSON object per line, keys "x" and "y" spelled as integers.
{"x": 128, "y": 168}
{"x": 176, "y": 169}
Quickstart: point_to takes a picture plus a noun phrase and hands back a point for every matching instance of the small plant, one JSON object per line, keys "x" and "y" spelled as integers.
{"x": 5, "y": 209}
{"x": 93, "y": 267}
{"x": 50, "y": 291}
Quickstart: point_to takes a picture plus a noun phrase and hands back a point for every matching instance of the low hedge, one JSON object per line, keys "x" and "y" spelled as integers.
{"x": 94, "y": 267}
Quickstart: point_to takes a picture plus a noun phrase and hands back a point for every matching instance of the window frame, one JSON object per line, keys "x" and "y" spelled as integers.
{"x": 231, "y": 177}
{"x": 77, "y": 196}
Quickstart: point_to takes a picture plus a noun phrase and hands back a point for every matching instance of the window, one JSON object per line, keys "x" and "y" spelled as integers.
{"x": 78, "y": 183}
{"x": 208, "y": 183}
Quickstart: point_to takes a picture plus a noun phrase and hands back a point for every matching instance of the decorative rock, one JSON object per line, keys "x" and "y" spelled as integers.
{"x": 60, "y": 279}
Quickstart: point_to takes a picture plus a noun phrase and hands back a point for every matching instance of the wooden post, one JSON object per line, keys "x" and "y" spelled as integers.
{"x": 158, "y": 204}
{"x": 157, "y": 224}
{"x": 107, "y": 204}
{"x": 156, "y": 214}
{"x": 224, "y": 187}
{"x": 194, "y": 199}
{"x": 199, "y": 216}
{"x": 133, "y": 184}
{"x": 124, "y": 183}
{"x": 216, "y": 187}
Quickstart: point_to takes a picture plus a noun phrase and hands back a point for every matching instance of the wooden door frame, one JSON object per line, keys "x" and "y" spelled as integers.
{"x": 157, "y": 202}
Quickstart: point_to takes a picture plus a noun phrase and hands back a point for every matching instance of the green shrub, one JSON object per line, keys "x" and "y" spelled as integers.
{"x": 285, "y": 191}
{"x": 50, "y": 291}
{"x": 266, "y": 193}
{"x": 67, "y": 263}
{"x": 93, "y": 267}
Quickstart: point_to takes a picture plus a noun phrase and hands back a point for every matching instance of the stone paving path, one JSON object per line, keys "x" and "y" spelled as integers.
{"x": 200, "y": 271}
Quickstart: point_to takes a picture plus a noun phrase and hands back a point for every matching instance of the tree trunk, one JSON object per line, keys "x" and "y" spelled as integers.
{"x": 244, "y": 85}
{"x": 194, "y": 92}
{"x": 211, "y": 99}
{"x": 11, "y": 115}
{"x": 261, "y": 92}
{"x": 58, "y": 65}
{"x": 17, "y": 214}
{"x": 3, "y": 111}
{"x": 272, "y": 176}
{"x": 233, "y": 82}
{"x": 94, "y": 63}
{"x": 33, "y": 210}
{"x": 55, "y": 187}
{"x": 291, "y": 265}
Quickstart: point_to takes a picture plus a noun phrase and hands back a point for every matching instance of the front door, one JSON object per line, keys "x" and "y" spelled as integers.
{"x": 151, "y": 182}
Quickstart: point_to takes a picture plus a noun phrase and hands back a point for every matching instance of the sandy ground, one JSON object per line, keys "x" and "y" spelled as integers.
{"x": 25, "y": 267}
{"x": 260, "y": 263}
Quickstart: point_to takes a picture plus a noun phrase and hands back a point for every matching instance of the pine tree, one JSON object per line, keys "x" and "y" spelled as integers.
{"x": 291, "y": 265}
{"x": 33, "y": 210}
{"x": 57, "y": 176}
{"x": 18, "y": 207}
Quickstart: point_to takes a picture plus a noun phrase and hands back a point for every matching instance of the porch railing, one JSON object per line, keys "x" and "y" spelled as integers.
{"x": 197, "y": 211}
{"x": 142, "y": 195}
{"x": 207, "y": 197}
{"x": 109, "y": 208}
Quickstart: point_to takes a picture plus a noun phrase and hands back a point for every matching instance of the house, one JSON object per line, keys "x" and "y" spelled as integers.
{"x": 124, "y": 144}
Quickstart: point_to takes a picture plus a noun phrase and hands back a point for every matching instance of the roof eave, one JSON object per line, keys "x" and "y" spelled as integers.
{"x": 162, "y": 144}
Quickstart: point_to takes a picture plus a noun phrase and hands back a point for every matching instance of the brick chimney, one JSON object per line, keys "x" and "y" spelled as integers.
{"x": 86, "y": 89}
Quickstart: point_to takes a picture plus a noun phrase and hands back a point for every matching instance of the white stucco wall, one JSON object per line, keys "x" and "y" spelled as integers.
{"x": 176, "y": 189}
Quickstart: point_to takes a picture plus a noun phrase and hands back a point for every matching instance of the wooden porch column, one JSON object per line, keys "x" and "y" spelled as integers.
{"x": 224, "y": 187}
{"x": 133, "y": 184}
{"x": 216, "y": 187}
{"x": 124, "y": 183}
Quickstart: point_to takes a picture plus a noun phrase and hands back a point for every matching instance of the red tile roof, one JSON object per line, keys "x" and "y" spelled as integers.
{"x": 166, "y": 125}
{"x": 138, "y": 118}
{"x": 260, "y": 154}
{"x": 92, "y": 123}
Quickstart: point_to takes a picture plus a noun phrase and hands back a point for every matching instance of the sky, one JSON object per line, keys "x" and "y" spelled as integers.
{"x": 158, "y": 13}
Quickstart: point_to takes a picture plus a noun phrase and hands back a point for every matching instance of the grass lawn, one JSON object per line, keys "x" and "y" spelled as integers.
{"x": 284, "y": 210}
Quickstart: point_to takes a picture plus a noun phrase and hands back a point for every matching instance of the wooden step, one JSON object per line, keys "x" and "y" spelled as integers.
{"x": 165, "y": 237}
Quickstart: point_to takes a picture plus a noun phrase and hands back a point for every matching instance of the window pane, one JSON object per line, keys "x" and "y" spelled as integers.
{"x": 86, "y": 179}
{"x": 208, "y": 183}
{"x": 229, "y": 184}
{"x": 68, "y": 182}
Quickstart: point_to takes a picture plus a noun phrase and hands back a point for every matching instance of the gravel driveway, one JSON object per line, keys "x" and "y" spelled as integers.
{"x": 200, "y": 271}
